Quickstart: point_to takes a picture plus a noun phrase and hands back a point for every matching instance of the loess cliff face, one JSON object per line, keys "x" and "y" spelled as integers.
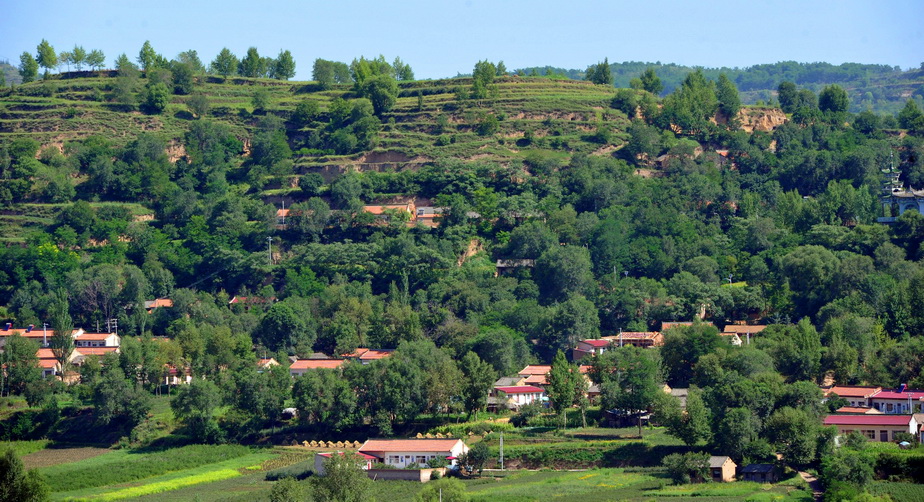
{"x": 761, "y": 119}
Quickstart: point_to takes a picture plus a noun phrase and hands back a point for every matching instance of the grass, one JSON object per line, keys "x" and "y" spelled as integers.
{"x": 21, "y": 448}
{"x": 118, "y": 467}
{"x": 900, "y": 492}
{"x": 202, "y": 474}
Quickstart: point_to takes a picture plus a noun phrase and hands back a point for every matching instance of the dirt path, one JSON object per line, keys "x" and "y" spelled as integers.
{"x": 814, "y": 484}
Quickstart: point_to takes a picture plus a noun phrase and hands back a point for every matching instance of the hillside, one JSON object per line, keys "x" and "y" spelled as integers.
{"x": 881, "y": 88}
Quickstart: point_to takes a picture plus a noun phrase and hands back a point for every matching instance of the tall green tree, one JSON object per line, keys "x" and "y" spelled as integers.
{"x": 225, "y": 63}
{"x": 788, "y": 95}
{"x": 629, "y": 378}
{"x": 727, "y": 94}
{"x": 252, "y": 65}
{"x": 283, "y": 66}
{"x": 62, "y": 342}
{"x": 833, "y": 98}
{"x": 382, "y": 91}
{"x": 195, "y": 405}
{"x": 683, "y": 347}
{"x": 147, "y": 56}
{"x": 478, "y": 376}
{"x": 561, "y": 389}
{"x": 22, "y": 365}
{"x": 46, "y": 56}
{"x": 600, "y": 73}
{"x": 325, "y": 398}
{"x": 651, "y": 82}
{"x": 96, "y": 59}
{"x": 344, "y": 480}
{"x": 78, "y": 57}
{"x": 28, "y": 67}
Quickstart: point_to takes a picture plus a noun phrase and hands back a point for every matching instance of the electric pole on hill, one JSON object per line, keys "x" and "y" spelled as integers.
{"x": 269, "y": 248}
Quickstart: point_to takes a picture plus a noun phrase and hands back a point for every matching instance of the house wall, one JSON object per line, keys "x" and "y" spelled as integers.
{"x": 875, "y": 432}
{"x": 402, "y": 459}
{"x": 896, "y": 406}
{"x": 419, "y": 475}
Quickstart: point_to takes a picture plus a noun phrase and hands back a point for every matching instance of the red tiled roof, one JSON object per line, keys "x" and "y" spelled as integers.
{"x": 867, "y": 419}
{"x": 633, "y": 335}
{"x": 381, "y": 209}
{"x": 852, "y": 391}
{"x": 536, "y": 380}
{"x": 743, "y": 328}
{"x": 855, "y": 409}
{"x": 536, "y": 369}
{"x": 519, "y": 389}
{"x": 93, "y": 336}
{"x": 159, "y": 302}
{"x": 386, "y": 445}
{"x": 311, "y": 364}
{"x": 891, "y": 394}
{"x": 597, "y": 343}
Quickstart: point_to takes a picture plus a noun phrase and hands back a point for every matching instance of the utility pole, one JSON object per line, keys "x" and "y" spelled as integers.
{"x": 269, "y": 248}
{"x": 502, "y": 451}
{"x": 44, "y": 334}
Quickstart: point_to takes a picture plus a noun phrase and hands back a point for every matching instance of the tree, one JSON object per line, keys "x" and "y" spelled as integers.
{"x": 382, "y": 91}
{"x": 46, "y": 56}
{"x": 629, "y": 378}
{"x": 183, "y": 80}
{"x": 21, "y": 360}
{"x": 284, "y": 66}
{"x": 78, "y": 57}
{"x": 305, "y": 112}
{"x": 195, "y": 405}
{"x": 403, "y": 71}
{"x": 252, "y": 65}
{"x": 476, "y": 457}
{"x": 692, "y": 105}
{"x": 644, "y": 142}
{"x": 650, "y": 81}
{"x": 693, "y": 424}
{"x": 443, "y": 490}
{"x": 157, "y": 97}
{"x": 727, "y": 94}
{"x": 114, "y": 399}
{"x": 16, "y": 485}
{"x": 482, "y": 78}
{"x": 833, "y": 98}
{"x": 683, "y": 347}
{"x": 600, "y": 73}
{"x": 62, "y": 342}
{"x": 323, "y": 73}
{"x": 478, "y": 376}
{"x": 325, "y": 398}
{"x": 191, "y": 58}
{"x": 225, "y": 63}
{"x": 788, "y": 95}
{"x": 96, "y": 59}
{"x": 736, "y": 431}
{"x": 147, "y": 56}
{"x": 344, "y": 480}
{"x": 686, "y": 467}
{"x": 910, "y": 117}
{"x": 288, "y": 489}
{"x": 574, "y": 319}
{"x": 287, "y": 324}
{"x": 562, "y": 271}
{"x": 794, "y": 433}
{"x": 561, "y": 389}
{"x": 28, "y": 67}
{"x": 198, "y": 104}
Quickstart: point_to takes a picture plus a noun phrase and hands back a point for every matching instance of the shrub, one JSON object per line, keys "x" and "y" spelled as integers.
{"x": 687, "y": 467}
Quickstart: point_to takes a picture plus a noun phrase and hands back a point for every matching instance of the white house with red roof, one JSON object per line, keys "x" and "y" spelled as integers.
{"x": 518, "y": 395}
{"x": 301, "y": 366}
{"x": 900, "y": 401}
{"x": 320, "y": 458}
{"x": 366, "y": 356}
{"x": 875, "y": 427}
{"x": 856, "y": 395}
{"x": 401, "y": 453}
{"x": 590, "y": 347}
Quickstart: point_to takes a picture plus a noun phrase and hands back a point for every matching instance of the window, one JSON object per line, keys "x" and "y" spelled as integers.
{"x": 870, "y": 434}
{"x": 889, "y": 408}
{"x": 421, "y": 459}
{"x": 884, "y": 436}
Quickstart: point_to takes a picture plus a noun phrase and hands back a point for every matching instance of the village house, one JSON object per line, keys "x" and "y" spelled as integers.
{"x": 516, "y": 396}
{"x": 85, "y": 340}
{"x": 300, "y": 366}
{"x": 901, "y": 400}
{"x": 857, "y": 410}
{"x": 538, "y": 374}
{"x": 643, "y": 339}
{"x": 366, "y": 356}
{"x": 381, "y": 212}
{"x": 590, "y": 347}
{"x": 760, "y": 473}
{"x": 722, "y": 469}
{"x": 875, "y": 427}
{"x": 504, "y": 266}
{"x": 265, "y": 363}
{"x": 150, "y": 305}
{"x": 400, "y": 453}
{"x": 740, "y": 334}
{"x": 856, "y": 395}
{"x": 429, "y": 216}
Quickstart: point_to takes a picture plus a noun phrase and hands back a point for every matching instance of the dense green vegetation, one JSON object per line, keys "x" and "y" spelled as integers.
{"x": 163, "y": 181}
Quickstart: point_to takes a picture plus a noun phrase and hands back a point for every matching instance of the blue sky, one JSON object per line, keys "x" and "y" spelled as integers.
{"x": 443, "y": 38}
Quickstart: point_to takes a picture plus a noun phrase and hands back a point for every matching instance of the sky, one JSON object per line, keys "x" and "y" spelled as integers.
{"x": 444, "y": 38}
